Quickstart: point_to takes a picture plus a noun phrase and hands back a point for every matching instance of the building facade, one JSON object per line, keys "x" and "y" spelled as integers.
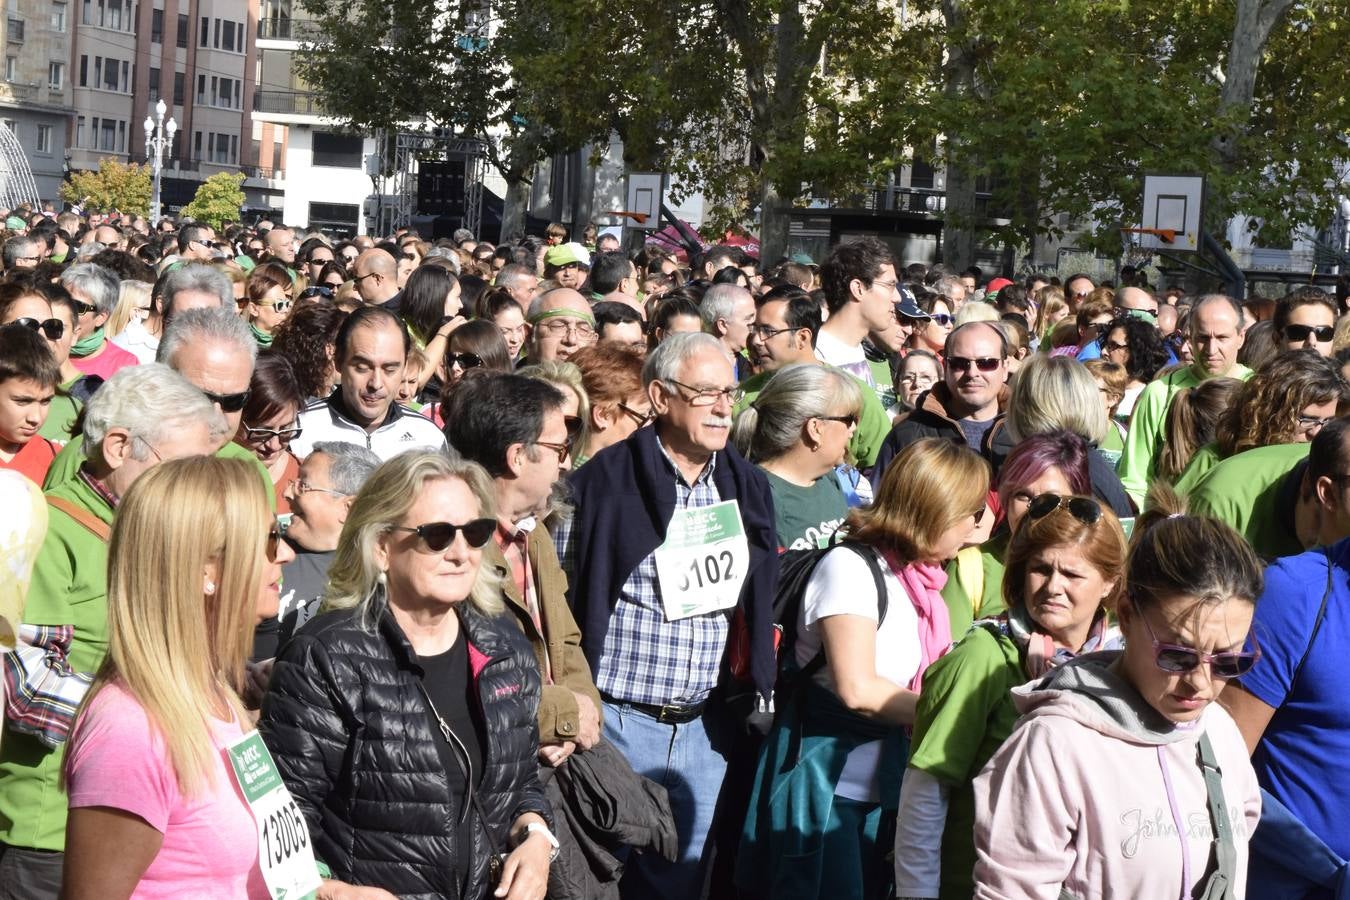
{"x": 35, "y": 95}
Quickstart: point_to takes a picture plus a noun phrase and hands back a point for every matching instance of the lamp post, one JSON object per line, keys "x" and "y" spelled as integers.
{"x": 159, "y": 139}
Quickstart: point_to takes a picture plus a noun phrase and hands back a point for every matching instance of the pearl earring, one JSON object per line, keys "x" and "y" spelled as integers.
{"x": 210, "y": 587}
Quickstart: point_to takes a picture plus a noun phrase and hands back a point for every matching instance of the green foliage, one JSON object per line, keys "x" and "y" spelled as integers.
{"x": 218, "y": 200}
{"x": 114, "y": 185}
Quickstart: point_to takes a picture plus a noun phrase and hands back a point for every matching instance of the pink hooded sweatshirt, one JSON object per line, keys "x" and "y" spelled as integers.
{"x": 1096, "y": 795}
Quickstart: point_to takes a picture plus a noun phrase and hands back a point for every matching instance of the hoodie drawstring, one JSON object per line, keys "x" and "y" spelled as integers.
{"x": 1176, "y": 820}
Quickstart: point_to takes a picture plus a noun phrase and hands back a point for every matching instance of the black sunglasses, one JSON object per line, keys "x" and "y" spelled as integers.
{"x": 962, "y": 363}
{"x": 1084, "y": 509}
{"x": 317, "y": 291}
{"x": 1322, "y": 333}
{"x": 439, "y": 535}
{"x": 848, "y": 421}
{"x": 273, "y": 541}
{"x": 52, "y": 328}
{"x": 228, "y": 402}
{"x": 465, "y": 360}
{"x": 81, "y": 308}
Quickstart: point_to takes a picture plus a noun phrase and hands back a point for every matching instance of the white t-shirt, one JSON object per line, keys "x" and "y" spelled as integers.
{"x": 834, "y": 352}
{"x": 842, "y": 584}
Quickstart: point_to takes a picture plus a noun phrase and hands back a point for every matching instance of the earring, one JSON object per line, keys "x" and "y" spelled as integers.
{"x": 210, "y": 587}
{"x": 383, "y": 578}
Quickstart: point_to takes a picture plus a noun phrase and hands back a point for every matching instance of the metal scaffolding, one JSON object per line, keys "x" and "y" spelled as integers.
{"x": 412, "y": 148}
{"x": 16, "y": 176}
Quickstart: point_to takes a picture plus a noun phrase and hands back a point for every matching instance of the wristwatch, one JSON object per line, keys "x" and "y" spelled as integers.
{"x": 541, "y": 828}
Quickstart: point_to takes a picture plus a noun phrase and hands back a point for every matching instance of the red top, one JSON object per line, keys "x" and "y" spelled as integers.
{"x": 106, "y": 361}
{"x": 33, "y": 459}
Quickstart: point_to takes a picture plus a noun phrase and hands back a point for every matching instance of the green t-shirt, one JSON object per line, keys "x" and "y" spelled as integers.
{"x": 1205, "y": 459}
{"x": 807, "y": 517}
{"x": 885, "y": 389}
{"x": 965, "y": 713}
{"x": 973, "y": 594}
{"x": 1113, "y": 445}
{"x": 1245, "y": 491}
{"x": 60, "y": 416}
{"x": 873, "y": 423}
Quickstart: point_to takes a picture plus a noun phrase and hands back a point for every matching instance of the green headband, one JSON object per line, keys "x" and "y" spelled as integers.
{"x": 561, "y": 313}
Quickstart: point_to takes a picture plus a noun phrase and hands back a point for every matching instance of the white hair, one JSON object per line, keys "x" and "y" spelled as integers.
{"x": 150, "y": 401}
{"x": 665, "y": 362}
{"x": 719, "y": 302}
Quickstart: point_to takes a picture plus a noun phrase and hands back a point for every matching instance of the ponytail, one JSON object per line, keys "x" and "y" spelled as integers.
{"x": 1191, "y": 421}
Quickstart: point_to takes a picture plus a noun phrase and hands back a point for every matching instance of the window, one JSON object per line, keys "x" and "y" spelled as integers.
{"x": 216, "y": 38}
{"x": 154, "y": 84}
{"x": 56, "y": 75}
{"x": 227, "y": 37}
{"x": 109, "y": 75}
{"x": 44, "y": 139}
{"x": 115, "y": 14}
{"x": 205, "y": 32}
{"x": 11, "y": 68}
{"x": 157, "y": 26}
{"x": 84, "y": 70}
{"x": 127, "y": 85}
{"x": 107, "y": 136}
{"x": 121, "y": 134}
{"x": 87, "y": 14}
{"x": 79, "y": 131}
{"x": 201, "y": 88}
{"x": 183, "y": 30}
{"x": 337, "y": 150}
{"x": 98, "y": 71}
{"x": 12, "y": 125}
{"x": 179, "y": 90}
{"x": 196, "y": 145}
{"x": 339, "y": 217}
{"x": 58, "y": 17}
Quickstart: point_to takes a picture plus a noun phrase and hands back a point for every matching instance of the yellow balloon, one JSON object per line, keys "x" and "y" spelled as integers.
{"x": 22, "y": 528}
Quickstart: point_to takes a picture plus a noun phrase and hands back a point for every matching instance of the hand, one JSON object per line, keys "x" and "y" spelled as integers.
{"x": 257, "y": 675}
{"x": 525, "y": 873}
{"x": 448, "y": 328}
{"x": 339, "y": 890}
{"x": 588, "y": 724}
{"x": 554, "y": 754}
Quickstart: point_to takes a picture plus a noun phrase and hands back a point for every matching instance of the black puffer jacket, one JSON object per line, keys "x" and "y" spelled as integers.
{"x": 348, "y": 727}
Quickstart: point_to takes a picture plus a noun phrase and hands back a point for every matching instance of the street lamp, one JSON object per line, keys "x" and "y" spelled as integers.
{"x": 158, "y": 138}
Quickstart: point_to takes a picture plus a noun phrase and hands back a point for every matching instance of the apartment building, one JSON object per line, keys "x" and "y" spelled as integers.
{"x": 35, "y": 95}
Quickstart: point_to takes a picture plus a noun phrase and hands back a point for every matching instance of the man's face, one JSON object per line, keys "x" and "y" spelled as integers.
{"x": 968, "y": 282}
{"x": 689, "y": 422}
{"x": 957, "y": 298}
{"x": 1136, "y": 299}
{"x": 1076, "y": 292}
{"x": 522, "y": 290}
{"x": 192, "y": 439}
{"x": 281, "y": 244}
{"x": 406, "y": 264}
{"x": 189, "y": 298}
{"x": 317, "y": 513}
{"x": 977, "y": 388}
{"x": 30, "y": 254}
{"x": 626, "y": 334}
{"x": 558, "y": 336}
{"x": 772, "y": 343}
{"x": 606, "y": 243}
{"x": 370, "y": 284}
{"x": 570, "y": 276}
{"x": 1311, "y": 325}
{"x": 219, "y": 370}
{"x": 199, "y": 248}
{"x": 539, "y": 465}
{"x": 1215, "y": 337}
{"x": 24, "y": 405}
{"x": 878, "y": 299}
{"x": 371, "y": 372}
{"x": 737, "y": 330}
{"x": 108, "y": 236}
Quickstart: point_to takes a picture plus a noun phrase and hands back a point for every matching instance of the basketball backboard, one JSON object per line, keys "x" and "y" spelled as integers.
{"x": 644, "y": 198}
{"x": 1172, "y": 203}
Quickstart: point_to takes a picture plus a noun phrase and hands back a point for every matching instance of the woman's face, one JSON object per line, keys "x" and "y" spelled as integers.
{"x": 268, "y": 447}
{"x": 35, "y": 307}
{"x": 1115, "y": 349}
{"x": 276, "y": 554}
{"x": 917, "y": 374}
{"x": 1063, "y": 591}
{"x": 419, "y": 577}
{"x": 271, "y": 310}
{"x": 453, "y": 306}
{"x": 511, "y": 323}
{"x": 1051, "y": 481}
{"x": 627, "y": 418}
{"x": 954, "y": 538}
{"x": 458, "y": 360}
{"x": 1182, "y": 620}
{"x": 835, "y": 436}
{"x": 933, "y": 336}
{"x": 407, "y": 387}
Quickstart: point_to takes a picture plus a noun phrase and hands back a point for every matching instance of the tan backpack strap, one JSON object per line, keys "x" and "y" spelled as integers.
{"x": 100, "y": 529}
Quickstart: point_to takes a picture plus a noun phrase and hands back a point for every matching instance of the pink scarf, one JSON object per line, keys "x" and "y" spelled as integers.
{"x": 923, "y": 582}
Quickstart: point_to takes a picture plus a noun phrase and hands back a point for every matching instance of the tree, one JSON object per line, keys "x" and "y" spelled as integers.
{"x": 219, "y": 199}
{"x": 114, "y": 185}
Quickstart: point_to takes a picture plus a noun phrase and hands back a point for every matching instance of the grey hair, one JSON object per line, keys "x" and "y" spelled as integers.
{"x": 349, "y": 465}
{"x": 196, "y": 277}
{"x": 947, "y": 285}
{"x": 444, "y": 253}
{"x": 96, "y": 283}
{"x": 205, "y": 324}
{"x": 22, "y": 245}
{"x": 664, "y": 363}
{"x": 150, "y": 401}
{"x": 772, "y": 425}
{"x": 718, "y": 303}
{"x": 1217, "y": 298}
{"x": 88, "y": 251}
{"x": 1055, "y": 393}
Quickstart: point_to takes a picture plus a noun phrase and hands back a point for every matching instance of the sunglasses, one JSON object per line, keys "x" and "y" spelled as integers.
{"x": 263, "y": 435}
{"x": 280, "y": 306}
{"x": 229, "y": 403}
{"x": 848, "y": 421}
{"x": 83, "y": 308}
{"x": 963, "y": 364}
{"x": 439, "y": 535}
{"x": 273, "y": 541}
{"x": 319, "y": 291}
{"x": 942, "y": 319}
{"x": 52, "y": 328}
{"x": 465, "y": 360}
{"x": 1084, "y": 509}
{"x": 1178, "y": 659}
{"x": 565, "y": 447}
{"x": 1322, "y": 333}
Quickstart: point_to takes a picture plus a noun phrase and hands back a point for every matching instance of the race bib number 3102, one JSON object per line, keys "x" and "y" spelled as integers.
{"x": 703, "y": 563}
{"x": 285, "y": 853}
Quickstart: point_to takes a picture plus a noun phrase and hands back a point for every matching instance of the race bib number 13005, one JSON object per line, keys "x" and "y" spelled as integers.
{"x": 285, "y": 853}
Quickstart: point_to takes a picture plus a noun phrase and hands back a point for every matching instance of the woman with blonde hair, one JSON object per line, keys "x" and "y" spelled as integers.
{"x": 566, "y": 377}
{"x": 154, "y": 808}
{"x": 871, "y": 622}
{"x": 133, "y": 304}
{"x": 1053, "y": 310}
{"x": 402, "y": 718}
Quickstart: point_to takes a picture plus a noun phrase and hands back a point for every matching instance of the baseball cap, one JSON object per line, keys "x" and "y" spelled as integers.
{"x": 567, "y": 254}
{"x": 909, "y": 309}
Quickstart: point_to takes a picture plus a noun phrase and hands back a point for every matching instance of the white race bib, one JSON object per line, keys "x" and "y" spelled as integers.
{"x": 703, "y": 563}
{"x": 285, "y": 853}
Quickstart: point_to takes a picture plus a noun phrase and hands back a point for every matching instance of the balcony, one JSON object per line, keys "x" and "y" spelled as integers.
{"x": 15, "y": 31}
{"x": 18, "y": 92}
{"x": 283, "y": 28}
{"x": 292, "y": 103}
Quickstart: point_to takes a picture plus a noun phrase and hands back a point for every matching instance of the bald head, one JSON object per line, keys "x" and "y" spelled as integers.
{"x": 376, "y": 275}
{"x": 1136, "y": 298}
{"x": 562, "y": 324}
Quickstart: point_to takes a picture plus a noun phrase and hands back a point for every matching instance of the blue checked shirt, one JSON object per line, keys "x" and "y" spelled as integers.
{"x": 646, "y": 659}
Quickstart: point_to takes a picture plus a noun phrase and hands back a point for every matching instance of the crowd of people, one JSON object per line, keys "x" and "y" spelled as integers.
{"x": 420, "y": 569}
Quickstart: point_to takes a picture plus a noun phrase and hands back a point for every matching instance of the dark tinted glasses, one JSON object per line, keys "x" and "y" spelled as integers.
{"x": 1322, "y": 333}
{"x": 273, "y": 541}
{"x": 1178, "y": 659}
{"x": 1084, "y": 509}
{"x": 229, "y": 403}
{"x": 52, "y": 328}
{"x": 962, "y": 363}
{"x": 318, "y": 291}
{"x": 465, "y": 360}
{"x": 439, "y": 535}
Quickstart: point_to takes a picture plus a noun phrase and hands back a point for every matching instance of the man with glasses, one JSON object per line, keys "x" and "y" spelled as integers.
{"x": 966, "y": 406}
{"x": 1306, "y": 318}
{"x": 94, "y": 289}
{"x": 510, "y": 426}
{"x": 194, "y": 243}
{"x": 371, "y": 350}
{"x": 860, "y": 286}
{"x": 784, "y": 334}
{"x": 673, "y": 537}
{"x": 22, "y": 252}
{"x": 728, "y": 311}
{"x": 1129, "y": 301}
{"x": 375, "y": 274}
{"x": 317, "y": 254}
{"x": 561, "y": 323}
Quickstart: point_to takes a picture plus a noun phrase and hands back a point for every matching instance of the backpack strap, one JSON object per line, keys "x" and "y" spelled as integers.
{"x": 92, "y": 523}
{"x": 1219, "y": 885}
{"x": 1317, "y": 626}
{"x": 883, "y": 601}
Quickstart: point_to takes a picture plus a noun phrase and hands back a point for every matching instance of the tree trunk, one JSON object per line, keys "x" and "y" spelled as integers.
{"x": 1251, "y": 29}
{"x": 514, "y": 205}
{"x": 958, "y": 227}
{"x": 774, "y": 220}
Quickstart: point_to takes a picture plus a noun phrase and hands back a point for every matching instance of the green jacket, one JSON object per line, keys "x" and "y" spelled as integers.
{"x": 69, "y": 588}
{"x": 1201, "y": 464}
{"x": 973, "y": 592}
{"x": 873, "y": 425}
{"x": 1249, "y": 491}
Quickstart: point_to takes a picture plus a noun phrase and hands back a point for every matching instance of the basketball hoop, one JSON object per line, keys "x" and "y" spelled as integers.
{"x": 638, "y": 217}
{"x": 1166, "y": 235}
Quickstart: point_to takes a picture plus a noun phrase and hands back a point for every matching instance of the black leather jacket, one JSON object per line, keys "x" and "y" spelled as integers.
{"x": 347, "y": 725}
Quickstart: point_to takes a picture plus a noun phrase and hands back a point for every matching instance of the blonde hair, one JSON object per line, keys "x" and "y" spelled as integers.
{"x": 561, "y": 375}
{"x": 976, "y": 311}
{"x": 382, "y": 502}
{"x": 1051, "y": 298}
{"x": 1054, "y": 393}
{"x": 128, "y": 292}
{"x": 178, "y": 653}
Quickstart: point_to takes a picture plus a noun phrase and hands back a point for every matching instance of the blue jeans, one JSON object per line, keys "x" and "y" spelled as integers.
{"x": 680, "y": 759}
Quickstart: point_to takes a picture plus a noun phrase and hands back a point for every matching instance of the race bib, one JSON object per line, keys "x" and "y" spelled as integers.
{"x": 285, "y": 853}
{"x": 703, "y": 563}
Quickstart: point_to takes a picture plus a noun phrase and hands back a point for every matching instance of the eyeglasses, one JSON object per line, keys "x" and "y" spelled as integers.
{"x": 1296, "y": 333}
{"x": 465, "y": 360}
{"x": 1114, "y": 346}
{"x": 709, "y": 396}
{"x": 942, "y": 319}
{"x": 317, "y": 291}
{"x": 887, "y": 286}
{"x": 439, "y": 535}
{"x": 357, "y": 279}
{"x": 82, "y": 308}
{"x": 642, "y": 419}
{"x": 767, "y": 332}
{"x": 263, "y": 435}
{"x": 562, "y": 449}
{"x": 1084, "y": 509}
{"x": 228, "y": 403}
{"x": 52, "y": 328}
{"x": 560, "y": 327}
{"x": 963, "y": 364}
{"x": 280, "y": 306}
{"x": 273, "y": 541}
{"x": 916, "y": 379}
{"x": 849, "y": 421}
{"x": 304, "y": 487}
{"x": 1176, "y": 659}
{"x": 349, "y": 258}
{"x": 1309, "y": 424}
